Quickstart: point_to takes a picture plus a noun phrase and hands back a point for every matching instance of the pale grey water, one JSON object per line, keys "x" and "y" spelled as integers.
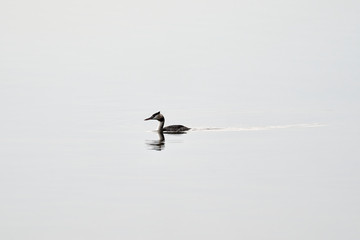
{"x": 270, "y": 90}
{"x": 92, "y": 174}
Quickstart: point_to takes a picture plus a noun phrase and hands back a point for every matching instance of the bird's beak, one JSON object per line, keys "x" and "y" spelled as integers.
{"x": 148, "y": 119}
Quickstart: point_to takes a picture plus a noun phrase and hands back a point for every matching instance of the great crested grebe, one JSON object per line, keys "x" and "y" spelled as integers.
{"x": 169, "y": 129}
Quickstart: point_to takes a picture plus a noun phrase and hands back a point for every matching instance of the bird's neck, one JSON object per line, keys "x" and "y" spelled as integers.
{"x": 161, "y": 125}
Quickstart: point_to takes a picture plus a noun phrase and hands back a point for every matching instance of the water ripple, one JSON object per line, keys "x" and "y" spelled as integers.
{"x": 261, "y": 128}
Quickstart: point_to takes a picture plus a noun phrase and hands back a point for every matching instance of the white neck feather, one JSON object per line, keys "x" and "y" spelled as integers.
{"x": 161, "y": 126}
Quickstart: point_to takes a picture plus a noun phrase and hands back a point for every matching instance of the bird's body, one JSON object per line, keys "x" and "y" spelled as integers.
{"x": 168, "y": 129}
{"x": 175, "y": 128}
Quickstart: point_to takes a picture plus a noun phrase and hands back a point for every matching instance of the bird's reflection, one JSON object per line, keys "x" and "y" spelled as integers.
{"x": 159, "y": 144}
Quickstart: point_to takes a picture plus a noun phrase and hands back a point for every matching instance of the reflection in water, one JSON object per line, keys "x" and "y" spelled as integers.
{"x": 159, "y": 144}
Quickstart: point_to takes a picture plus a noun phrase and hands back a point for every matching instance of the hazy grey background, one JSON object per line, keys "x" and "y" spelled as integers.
{"x": 77, "y": 78}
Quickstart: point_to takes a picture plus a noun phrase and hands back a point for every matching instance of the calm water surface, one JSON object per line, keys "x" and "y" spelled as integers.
{"x": 269, "y": 88}
{"x": 100, "y": 173}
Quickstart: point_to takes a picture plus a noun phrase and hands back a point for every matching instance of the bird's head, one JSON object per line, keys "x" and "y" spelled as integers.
{"x": 156, "y": 116}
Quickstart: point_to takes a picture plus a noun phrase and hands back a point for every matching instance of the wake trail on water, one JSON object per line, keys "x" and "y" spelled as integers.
{"x": 260, "y": 128}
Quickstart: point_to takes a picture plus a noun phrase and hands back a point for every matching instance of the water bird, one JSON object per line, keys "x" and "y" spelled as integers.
{"x": 168, "y": 129}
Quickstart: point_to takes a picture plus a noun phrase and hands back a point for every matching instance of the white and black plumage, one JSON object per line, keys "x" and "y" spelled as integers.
{"x": 168, "y": 129}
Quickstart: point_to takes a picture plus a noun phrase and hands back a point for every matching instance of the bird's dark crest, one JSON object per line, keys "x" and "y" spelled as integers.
{"x": 155, "y": 114}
